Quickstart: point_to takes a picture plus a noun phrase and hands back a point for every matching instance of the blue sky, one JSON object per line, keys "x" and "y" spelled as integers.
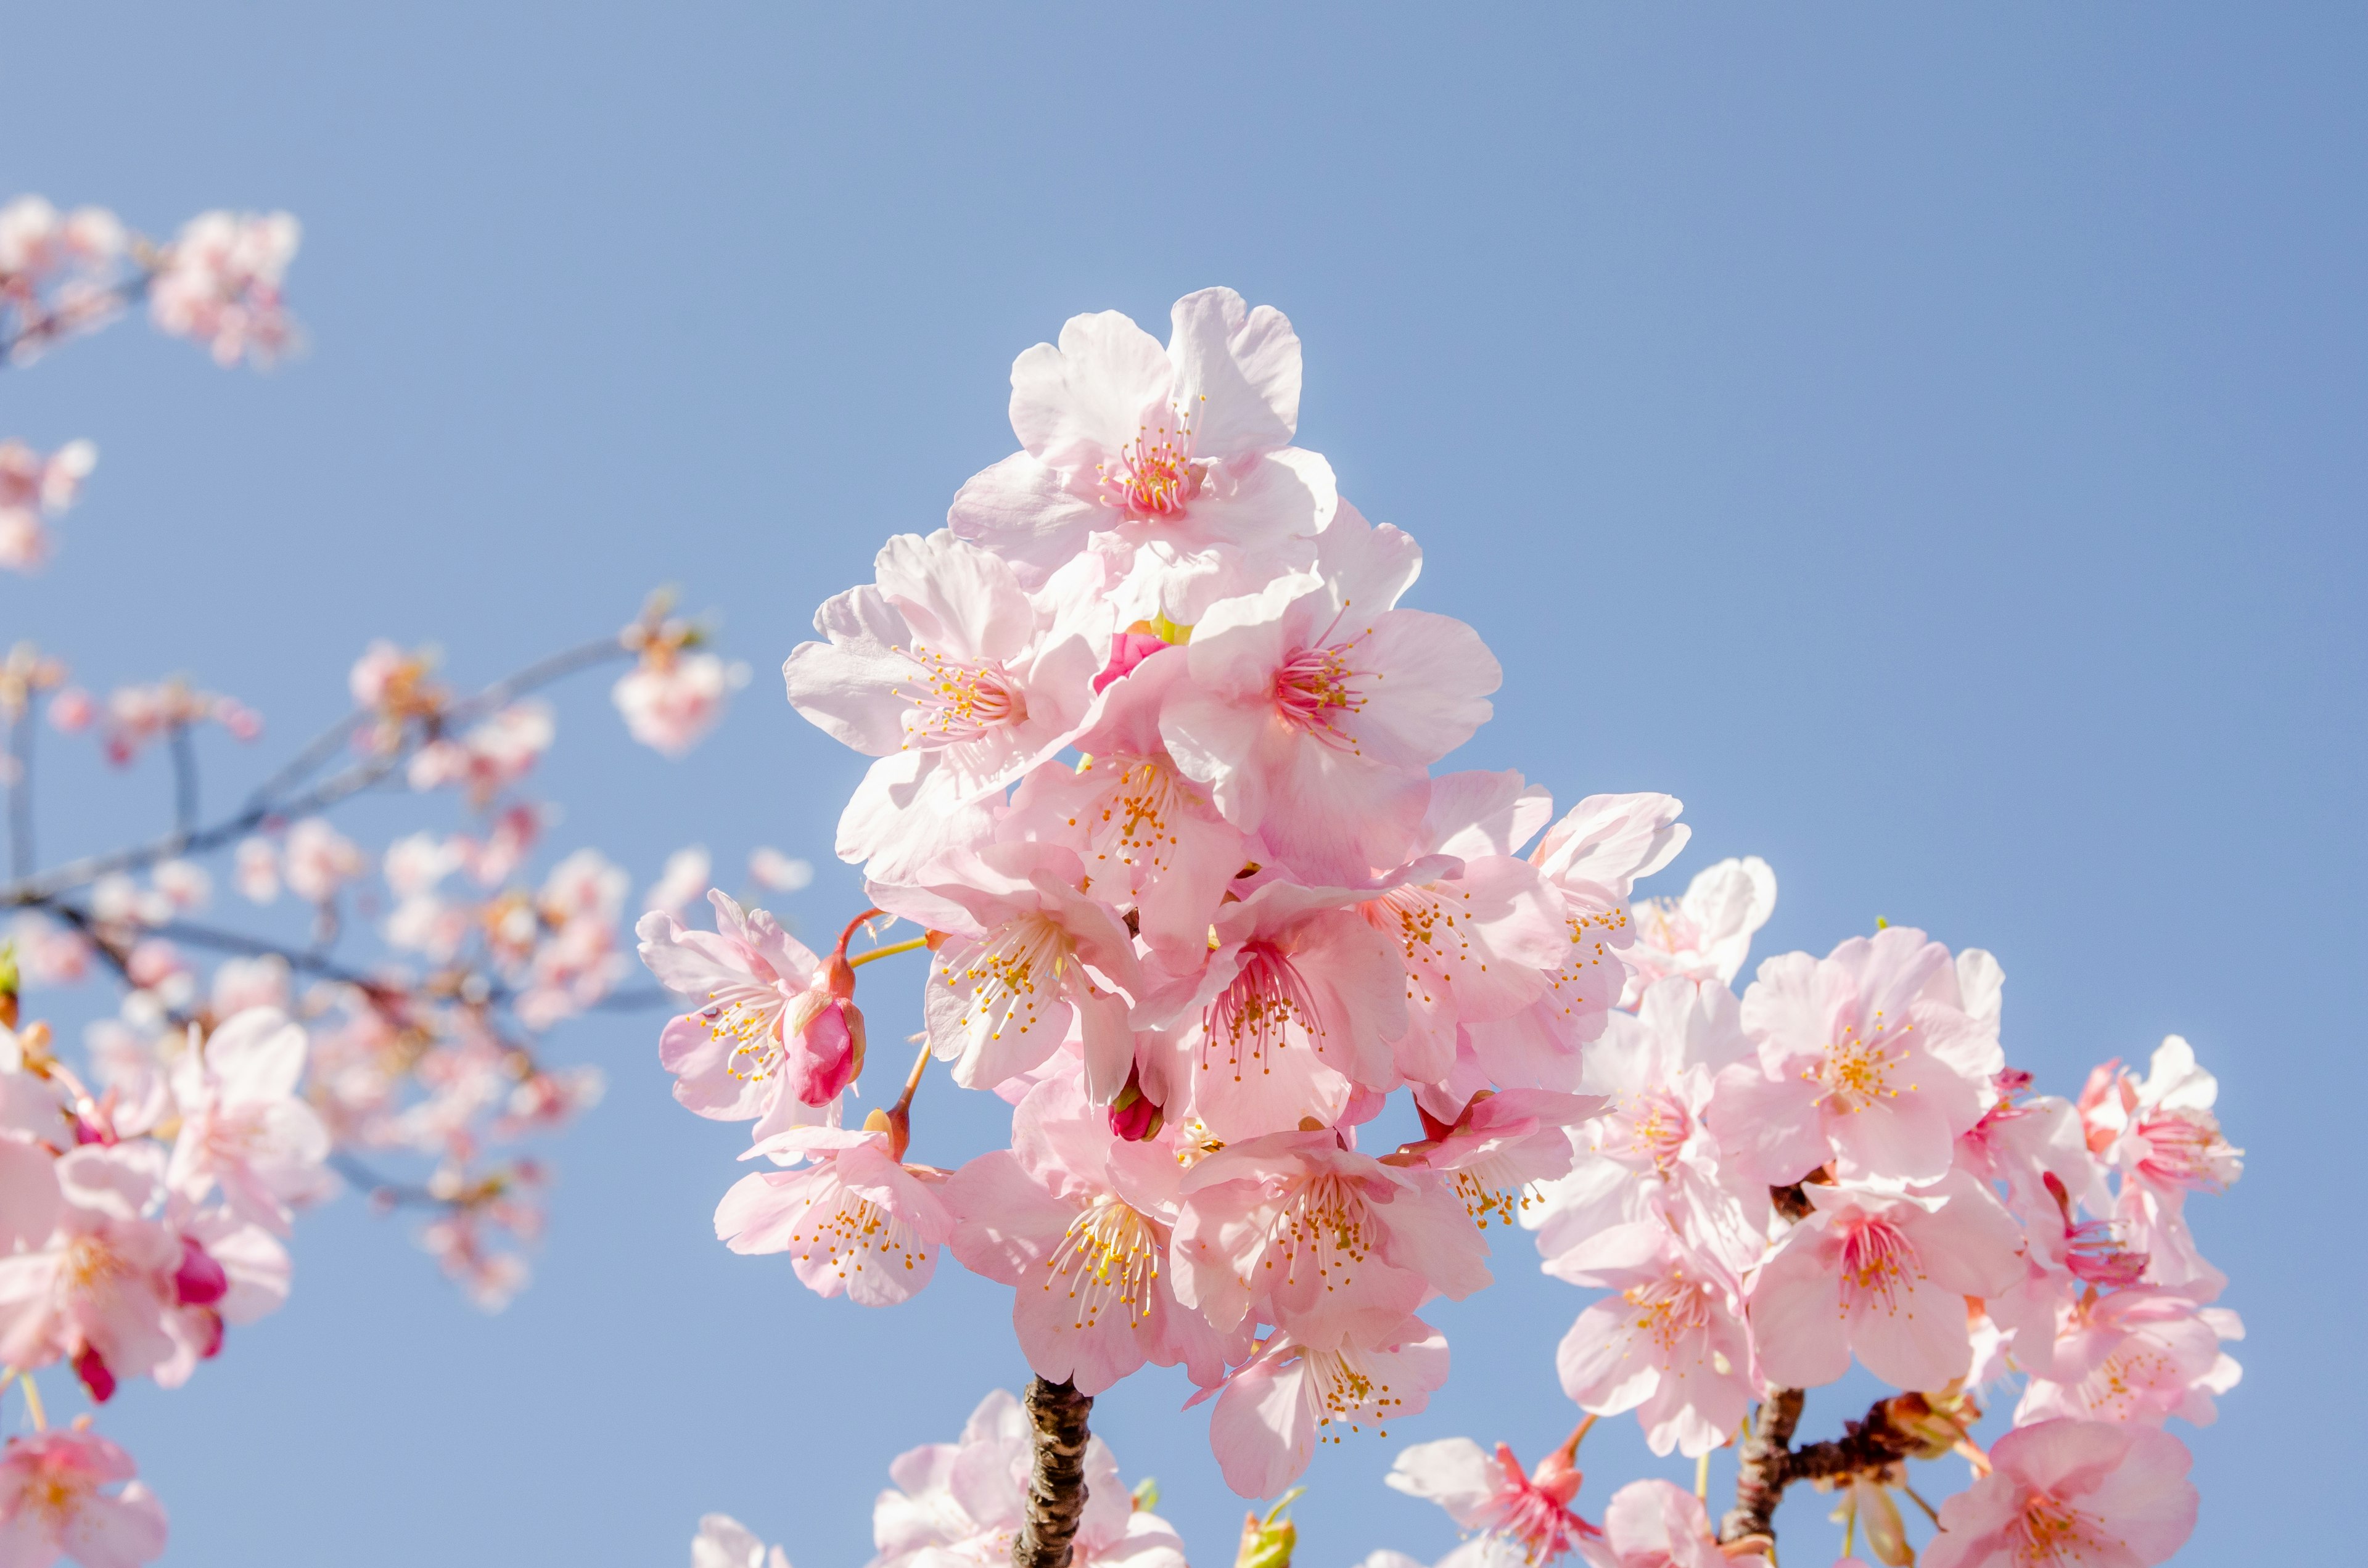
{"x": 1929, "y": 445}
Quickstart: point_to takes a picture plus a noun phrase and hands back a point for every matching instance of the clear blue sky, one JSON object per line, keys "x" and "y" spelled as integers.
{"x": 1929, "y": 445}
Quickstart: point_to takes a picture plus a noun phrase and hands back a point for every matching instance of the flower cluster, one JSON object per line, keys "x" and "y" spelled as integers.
{"x": 140, "y": 1225}
{"x": 34, "y": 491}
{"x": 1154, "y": 735}
{"x": 961, "y": 1503}
{"x": 218, "y": 281}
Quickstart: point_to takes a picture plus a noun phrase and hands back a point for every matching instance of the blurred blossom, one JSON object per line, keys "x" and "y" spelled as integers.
{"x": 491, "y": 756}
{"x": 684, "y": 878}
{"x": 777, "y": 872}
{"x": 219, "y": 283}
{"x": 33, "y": 489}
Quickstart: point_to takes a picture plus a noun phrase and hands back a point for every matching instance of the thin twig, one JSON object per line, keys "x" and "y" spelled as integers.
{"x": 41, "y": 888}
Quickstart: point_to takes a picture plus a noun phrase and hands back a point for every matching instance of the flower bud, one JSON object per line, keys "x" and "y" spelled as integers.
{"x": 1133, "y": 1117}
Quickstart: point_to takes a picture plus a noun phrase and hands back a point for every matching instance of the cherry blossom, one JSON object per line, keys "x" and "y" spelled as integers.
{"x": 1866, "y": 1056}
{"x": 724, "y": 1542}
{"x": 1705, "y": 933}
{"x": 219, "y": 283}
{"x": 777, "y": 1035}
{"x": 2067, "y": 1491}
{"x": 854, "y": 1221}
{"x": 1651, "y": 1524}
{"x": 1181, "y": 456}
{"x": 959, "y": 1503}
{"x": 242, "y": 1127}
{"x": 1295, "y": 1390}
{"x": 1668, "y": 1343}
{"x": 1309, "y": 1234}
{"x": 35, "y": 490}
{"x": 70, "y": 1493}
{"x": 1884, "y": 1276}
{"x": 1492, "y": 1493}
{"x": 1315, "y": 706}
{"x": 1078, "y": 1220}
{"x": 1031, "y": 950}
{"x": 1592, "y": 858}
{"x": 672, "y": 698}
{"x": 2160, "y": 1134}
{"x": 1294, "y": 1008}
{"x": 950, "y": 673}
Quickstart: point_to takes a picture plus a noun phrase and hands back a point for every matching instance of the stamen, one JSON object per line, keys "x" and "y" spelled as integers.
{"x": 957, "y": 700}
{"x": 1110, "y": 1257}
{"x": 1258, "y": 1013}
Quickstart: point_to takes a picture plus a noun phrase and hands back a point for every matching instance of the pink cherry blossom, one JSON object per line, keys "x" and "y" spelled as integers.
{"x": 724, "y": 1542}
{"x": 2161, "y": 1135}
{"x": 684, "y": 878}
{"x": 1146, "y": 832}
{"x": 1669, "y": 1342}
{"x": 854, "y": 1221}
{"x": 1480, "y": 933}
{"x": 1303, "y": 1232}
{"x": 958, "y": 1504}
{"x": 1706, "y": 933}
{"x": 219, "y": 283}
{"x": 242, "y": 1125}
{"x": 1500, "y": 1148}
{"x": 1182, "y": 457}
{"x": 672, "y": 697}
{"x": 954, "y": 677}
{"x": 100, "y": 1288}
{"x": 2138, "y": 1355}
{"x": 490, "y": 756}
{"x": 70, "y": 1493}
{"x": 319, "y": 860}
{"x": 1651, "y": 1524}
{"x": 1031, "y": 950}
{"x": 1651, "y": 1153}
{"x": 2071, "y": 1492}
{"x": 1884, "y": 1276}
{"x": 1590, "y": 859}
{"x": 1492, "y": 1492}
{"x": 773, "y": 1038}
{"x": 1296, "y": 1391}
{"x": 1078, "y": 1222}
{"x": 1867, "y": 1056}
{"x": 34, "y": 489}
{"x": 1294, "y": 1007}
{"x": 777, "y": 872}
{"x": 1315, "y": 706}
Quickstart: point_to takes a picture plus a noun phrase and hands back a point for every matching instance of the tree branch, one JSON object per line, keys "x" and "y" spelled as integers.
{"x": 24, "y": 891}
{"x": 1761, "y": 1477}
{"x": 1056, "y": 1486}
{"x": 1888, "y": 1434}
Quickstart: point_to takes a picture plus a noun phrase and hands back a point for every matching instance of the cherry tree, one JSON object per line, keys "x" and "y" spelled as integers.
{"x": 382, "y": 1028}
{"x": 1157, "y": 736}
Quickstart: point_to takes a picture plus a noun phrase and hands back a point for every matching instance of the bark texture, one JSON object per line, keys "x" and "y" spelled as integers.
{"x": 1760, "y": 1477}
{"x": 1769, "y": 1463}
{"x": 1056, "y": 1484}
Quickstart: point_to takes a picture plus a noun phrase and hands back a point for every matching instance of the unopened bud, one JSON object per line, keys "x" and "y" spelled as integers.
{"x": 1268, "y": 1542}
{"x": 1133, "y": 1117}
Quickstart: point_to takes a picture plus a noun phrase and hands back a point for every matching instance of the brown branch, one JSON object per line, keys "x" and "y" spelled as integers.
{"x": 1888, "y": 1434}
{"x": 1056, "y": 1486}
{"x": 1759, "y": 1476}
